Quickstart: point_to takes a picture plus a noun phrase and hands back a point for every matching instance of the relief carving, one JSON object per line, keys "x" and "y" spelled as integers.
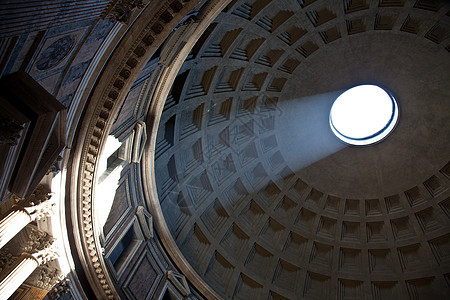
{"x": 55, "y": 53}
{"x": 41, "y": 246}
{"x": 43, "y": 209}
{"x": 37, "y": 205}
{"x": 41, "y": 194}
{"x": 45, "y": 278}
{"x": 108, "y": 100}
{"x": 60, "y": 289}
{"x": 121, "y": 12}
{"x": 6, "y": 259}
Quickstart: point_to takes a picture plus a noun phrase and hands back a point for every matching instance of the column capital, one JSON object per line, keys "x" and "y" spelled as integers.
{"x": 41, "y": 210}
{"x": 37, "y": 205}
{"x": 41, "y": 194}
{"x": 41, "y": 246}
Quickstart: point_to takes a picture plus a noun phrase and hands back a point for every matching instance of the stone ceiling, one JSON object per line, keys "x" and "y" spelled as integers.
{"x": 258, "y": 194}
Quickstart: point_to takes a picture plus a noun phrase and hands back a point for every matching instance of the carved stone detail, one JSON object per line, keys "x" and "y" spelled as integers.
{"x": 45, "y": 278}
{"x": 122, "y": 10}
{"x": 109, "y": 100}
{"x": 41, "y": 193}
{"x": 38, "y": 204}
{"x": 43, "y": 209}
{"x": 60, "y": 289}
{"x": 41, "y": 246}
{"x": 6, "y": 259}
{"x": 36, "y": 207}
{"x": 9, "y": 132}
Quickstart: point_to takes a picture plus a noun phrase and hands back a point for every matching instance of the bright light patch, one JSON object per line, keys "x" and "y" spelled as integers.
{"x": 363, "y": 115}
{"x": 106, "y": 188}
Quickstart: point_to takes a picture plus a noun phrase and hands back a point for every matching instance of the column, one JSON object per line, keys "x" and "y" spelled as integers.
{"x": 23, "y": 268}
{"x": 21, "y": 215}
{"x": 39, "y": 250}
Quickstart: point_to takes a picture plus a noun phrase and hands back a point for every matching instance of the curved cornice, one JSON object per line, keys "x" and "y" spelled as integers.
{"x": 192, "y": 33}
{"x": 142, "y": 39}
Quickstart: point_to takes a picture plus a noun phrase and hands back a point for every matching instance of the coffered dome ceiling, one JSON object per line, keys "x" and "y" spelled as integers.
{"x": 259, "y": 195}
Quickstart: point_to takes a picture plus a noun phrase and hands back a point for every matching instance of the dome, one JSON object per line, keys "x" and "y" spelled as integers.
{"x": 259, "y": 196}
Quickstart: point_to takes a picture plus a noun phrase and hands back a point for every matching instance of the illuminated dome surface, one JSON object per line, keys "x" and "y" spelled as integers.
{"x": 258, "y": 194}
{"x": 363, "y": 115}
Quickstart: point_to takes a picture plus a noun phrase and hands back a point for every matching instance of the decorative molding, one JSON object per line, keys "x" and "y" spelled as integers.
{"x": 61, "y": 288}
{"x": 146, "y": 222}
{"x": 176, "y": 42}
{"x": 161, "y": 91}
{"x": 139, "y": 141}
{"x": 153, "y": 24}
{"x": 28, "y": 210}
{"x": 48, "y": 278}
{"x": 155, "y": 125}
{"x": 180, "y": 282}
{"x": 133, "y": 146}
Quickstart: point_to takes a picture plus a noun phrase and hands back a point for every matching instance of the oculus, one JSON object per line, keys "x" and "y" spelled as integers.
{"x": 363, "y": 115}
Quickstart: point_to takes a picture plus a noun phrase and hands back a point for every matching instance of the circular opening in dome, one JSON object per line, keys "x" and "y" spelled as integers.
{"x": 363, "y": 115}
